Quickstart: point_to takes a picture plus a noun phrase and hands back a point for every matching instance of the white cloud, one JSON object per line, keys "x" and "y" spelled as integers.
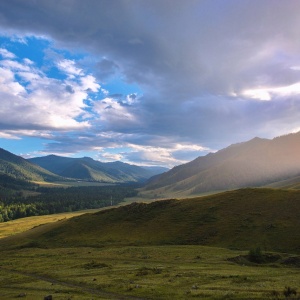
{"x": 89, "y": 83}
{"x": 6, "y": 54}
{"x": 8, "y": 85}
{"x": 5, "y": 135}
{"x": 44, "y": 103}
{"x": 14, "y": 65}
{"x": 109, "y": 157}
{"x": 269, "y": 93}
{"x": 27, "y": 61}
{"x": 259, "y": 94}
{"x": 167, "y": 156}
{"x": 69, "y": 67}
{"x": 114, "y": 113}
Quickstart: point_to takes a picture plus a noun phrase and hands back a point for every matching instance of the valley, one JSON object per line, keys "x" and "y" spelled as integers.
{"x": 149, "y": 150}
{"x": 226, "y": 226}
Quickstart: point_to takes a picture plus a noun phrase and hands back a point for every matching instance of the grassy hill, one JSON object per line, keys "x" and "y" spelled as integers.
{"x": 86, "y": 168}
{"x": 257, "y": 162}
{"x": 155, "y": 251}
{"x": 241, "y": 219}
{"x": 21, "y": 169}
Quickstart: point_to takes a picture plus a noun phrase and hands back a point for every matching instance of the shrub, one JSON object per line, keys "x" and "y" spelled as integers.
{"x": 288, "y": 291}
{"x": 256, "y": 255}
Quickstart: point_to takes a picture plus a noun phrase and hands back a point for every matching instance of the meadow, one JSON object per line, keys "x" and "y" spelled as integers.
{"x": 87, "y": 258}
{"x": 160, "y": 272}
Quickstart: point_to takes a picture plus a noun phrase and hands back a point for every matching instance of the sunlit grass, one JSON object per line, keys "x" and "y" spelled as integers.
{"x": 20, "y": 225}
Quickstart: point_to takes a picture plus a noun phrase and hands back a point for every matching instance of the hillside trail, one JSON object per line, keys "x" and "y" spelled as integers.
{"x": 83, "y": 288}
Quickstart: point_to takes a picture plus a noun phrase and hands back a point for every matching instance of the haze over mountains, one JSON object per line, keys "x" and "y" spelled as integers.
{"x": 89, "y": 169}
{"x": 257, "y": 162}
{"x": 55, "y": 168}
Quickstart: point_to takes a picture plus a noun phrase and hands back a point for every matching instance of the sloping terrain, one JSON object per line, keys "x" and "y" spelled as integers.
{"x": 88, "y": 169}
{"x": 257, "y": 162}
{"x": 291, "y": 183}
{"x": 21, "y": 169}
{"x": 241, "y": 219}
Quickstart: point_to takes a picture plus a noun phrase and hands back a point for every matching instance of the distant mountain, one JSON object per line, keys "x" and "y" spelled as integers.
{"x": 240, "y": 219}
{"x": 89, "y": 169}
{"x": 19, "y": 168}
{"x": 257, "y": 162}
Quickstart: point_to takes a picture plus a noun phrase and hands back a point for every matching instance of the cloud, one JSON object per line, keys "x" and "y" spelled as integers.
{"x": 31, "y": 100}
{"x": 5, "y": 135}
{"x": 69, "y": 67}
{"x": 116, "y": 115}
{"x": 203, "y": 69}
{"x": 270, "y": 93}
{"x": 6, "y": 54}
{"x": 169, "y": 156}
{"x": 106, "y": 68}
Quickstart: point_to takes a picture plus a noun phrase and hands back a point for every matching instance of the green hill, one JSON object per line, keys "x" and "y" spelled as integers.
{"x": 21, "y": 169}
{"x": 240, "y": 219}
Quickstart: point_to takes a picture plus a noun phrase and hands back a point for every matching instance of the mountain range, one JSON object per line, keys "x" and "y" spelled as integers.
{"x": 258, "y": 162}
{"x": 21, "y": 169}
{"x": 255, "y": 163}
{"x": 56, "y": 168}
{"x": 89, "y": 169}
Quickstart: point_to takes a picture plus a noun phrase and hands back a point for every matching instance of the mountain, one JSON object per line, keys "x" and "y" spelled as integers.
{"x": 88, "y": 169}
{"x": 241, "y": 219}
{"x": 20, "y": 169}
{"x": 257, "y": 162}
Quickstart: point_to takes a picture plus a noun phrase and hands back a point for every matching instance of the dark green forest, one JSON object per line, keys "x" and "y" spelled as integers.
{"x": 14, "y": 204}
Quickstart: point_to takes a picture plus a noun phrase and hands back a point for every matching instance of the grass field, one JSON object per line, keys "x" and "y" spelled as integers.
{"x": 164, "y": 272}
{"x": 241, "y": 219}
{"x": 20, "y": 225}
{"x": 108, "y": 255}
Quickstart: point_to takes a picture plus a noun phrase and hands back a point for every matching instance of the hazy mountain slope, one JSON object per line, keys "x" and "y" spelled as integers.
{"x": 254, "y": 163}
{"x": 19, "y": 168}
{"x": 242, "y": 219}
{"x": 291, "y": 183}
{"x": 88, "y": 169}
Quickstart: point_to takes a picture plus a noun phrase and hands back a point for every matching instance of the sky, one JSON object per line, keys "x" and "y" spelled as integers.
{"x": 157, "y": 82}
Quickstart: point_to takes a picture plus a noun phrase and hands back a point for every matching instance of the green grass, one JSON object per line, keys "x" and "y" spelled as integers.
{"x": 175, "y": 249}
{"x": 20, "y": 225}
{"x": 241, "y": 219}
{"x": 148, "y": 272}
{"x": 71, "y": 183}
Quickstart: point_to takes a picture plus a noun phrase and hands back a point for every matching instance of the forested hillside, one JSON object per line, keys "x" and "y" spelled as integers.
{"x": 19, "y": 168}
{"x": 56, "y": 200}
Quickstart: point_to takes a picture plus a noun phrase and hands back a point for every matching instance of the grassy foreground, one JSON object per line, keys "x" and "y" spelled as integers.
{"x": 149, "y": 272}
{"x": 134, "y": 252}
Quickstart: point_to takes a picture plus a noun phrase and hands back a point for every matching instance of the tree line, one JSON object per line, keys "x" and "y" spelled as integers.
{"x": 58, "y": 200}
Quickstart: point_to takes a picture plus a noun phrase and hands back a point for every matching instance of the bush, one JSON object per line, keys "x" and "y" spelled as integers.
{"x": 256, "y": 255}
{"x": 288, "y": 291}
